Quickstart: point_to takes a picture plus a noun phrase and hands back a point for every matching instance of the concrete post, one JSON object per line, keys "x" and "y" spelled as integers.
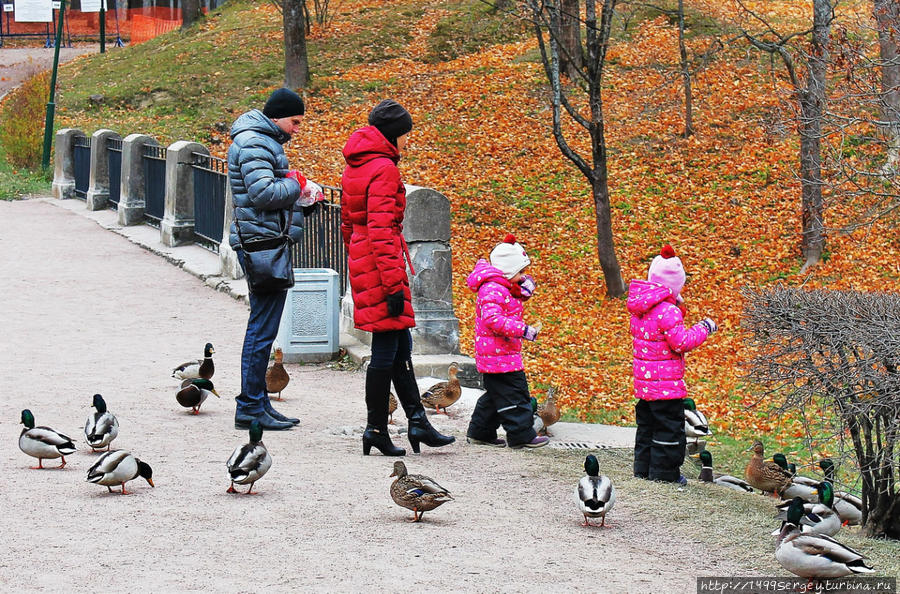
{"x": 98, "y": 189}
{"x": 63, "y": 186}
{"x": 131, "y": 194}
{"x": 230, "y": 265}
{"x": 177, "y": 225}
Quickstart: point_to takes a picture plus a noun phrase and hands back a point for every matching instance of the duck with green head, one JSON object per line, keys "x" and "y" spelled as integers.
{"x": 101, "y": 426}
{"x": 194, "y": 392}
{"x": 799, "y": 486}
{"x": 249, "y": 462}
{"x": 43, "y": 442}
{"x": 198, "y": 368}
{"x": 594, "y": 494}
{"x": 695, "y": 423}
{"x": 848, "y": 506}
{"x": 723, "y": 480}
{"x": 819, "y": 517}
{"x": 117, "y": 467}
{"x": 814, "y": 556}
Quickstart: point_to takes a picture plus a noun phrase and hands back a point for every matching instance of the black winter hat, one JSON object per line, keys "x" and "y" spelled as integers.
{"x": 391, "y": 120}
{"x": 283, "y": 103}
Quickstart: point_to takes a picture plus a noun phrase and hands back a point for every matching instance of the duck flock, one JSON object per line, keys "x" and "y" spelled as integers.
{"x": 810, "y": 510}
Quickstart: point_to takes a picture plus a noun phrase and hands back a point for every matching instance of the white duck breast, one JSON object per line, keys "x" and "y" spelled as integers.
{"x": 249, "y": 463}
{"x": 100, "y": 429}
{"x": 800, "y": 489}
{"x": 695, "y": 424}
{"x": 732, "y": 482}
{"x": 113, "y": 468}
{"x": 819, "y": 557}
{"x": 595, "y": 496}
{"x": 44, "y": 442}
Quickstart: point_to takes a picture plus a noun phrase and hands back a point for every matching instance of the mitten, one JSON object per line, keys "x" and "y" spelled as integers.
{"x": 527, "y": 286}
{"x": 710, "y": 325}
{"x": 395, "y": 304}
{"x": 530, "y": 333}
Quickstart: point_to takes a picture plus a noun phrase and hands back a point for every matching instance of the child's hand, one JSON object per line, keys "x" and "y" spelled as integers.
{"x": 530, "y": 333}
{"x": 527, "y": 286}
{"x": 710, "y": 325}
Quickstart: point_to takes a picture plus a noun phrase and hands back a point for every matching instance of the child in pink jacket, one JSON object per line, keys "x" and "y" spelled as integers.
{"x": 660, "y": 341}
{"x": 502, "y": 290}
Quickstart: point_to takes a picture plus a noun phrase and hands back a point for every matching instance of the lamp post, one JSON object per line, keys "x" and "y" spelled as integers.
{"x": 51, "y": 106}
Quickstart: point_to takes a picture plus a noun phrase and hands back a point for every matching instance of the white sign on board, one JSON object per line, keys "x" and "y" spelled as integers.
{"x": 57, "y": 5}
{"x": 93, "y": 5}
{"x": 7, "y": 8}
{"x": 34, "y": 11}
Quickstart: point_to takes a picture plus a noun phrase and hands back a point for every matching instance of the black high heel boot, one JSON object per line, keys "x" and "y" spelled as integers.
{"x": 378, "y": 437}
{"x": 378, "y": 386}
{"x": 420, "y": 429}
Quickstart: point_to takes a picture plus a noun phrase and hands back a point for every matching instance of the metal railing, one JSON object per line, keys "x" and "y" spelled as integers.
{"x": 82, "y": 165}
{"x": 154, "y": 160}
{"x": 322, "y": 245}
{"x": 114, "y": 155}
{"x": 210, "y": 177}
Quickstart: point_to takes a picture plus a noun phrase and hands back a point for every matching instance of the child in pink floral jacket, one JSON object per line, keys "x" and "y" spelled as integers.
{"x": 502, "y": 290}
{"x": 660, "y": 341}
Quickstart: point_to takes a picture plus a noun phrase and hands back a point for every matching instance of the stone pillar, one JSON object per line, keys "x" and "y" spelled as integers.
{"x": 230, "y": 265}
{"x": 177, "y": 225}
{"x": 64, "y": 163}
{"x": 98, "y": 189}
{"x": 132, "y": 191}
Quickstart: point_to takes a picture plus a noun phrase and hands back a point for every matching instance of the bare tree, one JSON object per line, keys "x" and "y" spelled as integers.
{"x": 588, "y": 79}
{"x": 808, "y": 79}
{"x": 190, "y": 13}
{"x": 887, "y": 18}
{"x": 296, "y": 61}
{"x": 834, "y": 356}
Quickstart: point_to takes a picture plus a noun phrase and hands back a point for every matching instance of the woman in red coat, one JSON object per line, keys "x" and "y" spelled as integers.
{"x": 372, "y": 206}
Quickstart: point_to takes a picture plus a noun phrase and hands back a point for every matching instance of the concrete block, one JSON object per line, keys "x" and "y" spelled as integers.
{"x": 98, "y": 188}
{"x": 63, "y": 185}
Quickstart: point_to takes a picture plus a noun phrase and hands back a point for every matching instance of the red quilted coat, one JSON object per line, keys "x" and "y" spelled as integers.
{"x": 372, "y": 205}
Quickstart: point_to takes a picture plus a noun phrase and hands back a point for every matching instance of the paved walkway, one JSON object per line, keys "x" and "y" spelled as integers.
{"x": 86, "y": 311}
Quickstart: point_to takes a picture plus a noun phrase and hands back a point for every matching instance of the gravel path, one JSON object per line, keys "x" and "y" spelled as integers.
{"x": 19, "y": 64}
{"x": 87, "y": 311}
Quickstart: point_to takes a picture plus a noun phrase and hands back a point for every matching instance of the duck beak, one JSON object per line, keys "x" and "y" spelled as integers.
{"x": 151, "y": 483}
{"x": 693, "y": 455}
{"x": 392, "y": 474}
{"x": 216, "y": 393}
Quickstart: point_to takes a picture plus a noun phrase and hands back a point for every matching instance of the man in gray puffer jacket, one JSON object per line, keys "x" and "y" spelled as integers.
{"x": 264, "y": 191}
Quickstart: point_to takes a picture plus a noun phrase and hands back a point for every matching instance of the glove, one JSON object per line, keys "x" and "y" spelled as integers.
{"x": 530, "y": 333}
{"x": 395, "y": 303}
{"x": 709, "y": 324}
{"x": 527, "y": 286}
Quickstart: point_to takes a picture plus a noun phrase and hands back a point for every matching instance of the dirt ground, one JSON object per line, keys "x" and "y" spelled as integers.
{"x": 19, "y": 64}
{"x": 85, "y": 311}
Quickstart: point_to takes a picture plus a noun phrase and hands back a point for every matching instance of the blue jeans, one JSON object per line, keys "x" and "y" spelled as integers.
{"x": 262, "y": 327}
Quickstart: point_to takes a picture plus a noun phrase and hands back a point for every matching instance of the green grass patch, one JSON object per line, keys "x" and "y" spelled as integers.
{"x": 17, "y": 182}
{"x": 472, "y": 26}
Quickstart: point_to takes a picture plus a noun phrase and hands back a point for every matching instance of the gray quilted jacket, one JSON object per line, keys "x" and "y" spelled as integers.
{"x": 256, "y": 171}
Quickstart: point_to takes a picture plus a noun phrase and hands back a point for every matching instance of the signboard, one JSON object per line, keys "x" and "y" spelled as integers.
{"x": 34, "y": 11}
{"x": 57, "y": 4}
{"x": 93, "y": 5}
{"x": 7, "y": 8}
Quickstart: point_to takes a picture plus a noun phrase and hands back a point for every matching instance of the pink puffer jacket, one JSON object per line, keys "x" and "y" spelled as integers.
{"x": 660, "y": 341}
{"x": 498, "y": 321}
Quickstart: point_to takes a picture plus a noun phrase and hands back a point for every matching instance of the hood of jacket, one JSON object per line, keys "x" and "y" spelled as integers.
{"x": 256, "y": 121}
{"x": 483, "y": 273}
{"x": 645, "y": 295}
{"x": 366, "y": 144}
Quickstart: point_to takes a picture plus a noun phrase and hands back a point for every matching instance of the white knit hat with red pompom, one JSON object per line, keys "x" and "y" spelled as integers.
{"x": 509, "y": 257}
{"x": 667, "y": 270}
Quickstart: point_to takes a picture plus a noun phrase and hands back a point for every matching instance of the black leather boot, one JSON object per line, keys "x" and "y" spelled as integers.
{"x": 267, "y": 405}
{"x": 420, "y": 429}
{"x": 378, "y": 385}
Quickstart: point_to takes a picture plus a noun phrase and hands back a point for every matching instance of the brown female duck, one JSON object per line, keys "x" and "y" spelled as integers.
{"x": 443, "y": 394}
{"x": 416, "y": 492}
{"x": 277, "y": 377}
{"x": 765, "y": 475}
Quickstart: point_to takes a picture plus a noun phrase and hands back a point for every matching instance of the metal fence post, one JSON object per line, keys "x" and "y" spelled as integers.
{"x": 98, "y": 189}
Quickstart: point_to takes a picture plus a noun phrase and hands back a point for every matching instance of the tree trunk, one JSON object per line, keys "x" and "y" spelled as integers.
{"x": 570, "y": 55}
{"x": 296, "y": 62}
{"x": 685, "y": 74}
{"x": 887, "y": 17}
{"x": 812, "y": 108}
{"x": 190, "y": 13}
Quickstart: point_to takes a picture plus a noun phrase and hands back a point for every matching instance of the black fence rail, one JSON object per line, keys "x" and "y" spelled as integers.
{"x": 322, "y": 245}
{"x": 82, "y": 162}
{"x": 154, "y": 160}
{"x": 210, "y": 177}
{"x": 114, "y": 156}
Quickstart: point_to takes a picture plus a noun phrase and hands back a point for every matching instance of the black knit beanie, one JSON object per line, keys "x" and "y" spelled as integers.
{"x": 391, "y": 120}
{"x": 283, "y": 103}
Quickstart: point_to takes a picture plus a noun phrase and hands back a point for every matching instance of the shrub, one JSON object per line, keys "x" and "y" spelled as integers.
{"x": 22, "y": 122}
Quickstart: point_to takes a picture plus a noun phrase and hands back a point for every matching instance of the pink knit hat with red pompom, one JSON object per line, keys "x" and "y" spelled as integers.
{"x": 509, "y": 257}
{"x": 667, "y": 270}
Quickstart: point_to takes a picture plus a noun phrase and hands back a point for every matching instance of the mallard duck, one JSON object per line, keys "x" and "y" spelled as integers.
{"x": 43, "y": 442}
{"x": 814, "y": 556}
{"x": 800, "y": 486}
{"x": 277, "y": 377}
{"x": 101, "y": 426}
{"x": 695, "y": 423}
{"x": 416, "y": 492}
{"x": 249, "y": 462}
{"x": 848, "y": 506}
{"x": 548, "y": 411}
{"x": 765, "y": 475}
{"x": 594, "y": 494}
{"x": 118, "y": 467}
{"x": 392, "y": 407}
{"x": 443, "y": 394}
{"x": 194, "y": 392}
{"x": 723, "y": 480}
{"x": 200, "y": 368}
{"x": 819, "y": 517}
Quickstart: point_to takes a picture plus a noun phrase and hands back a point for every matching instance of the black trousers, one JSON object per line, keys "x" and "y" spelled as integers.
{"x": 659, "y": 442}
{"x": 506, "y": 402}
